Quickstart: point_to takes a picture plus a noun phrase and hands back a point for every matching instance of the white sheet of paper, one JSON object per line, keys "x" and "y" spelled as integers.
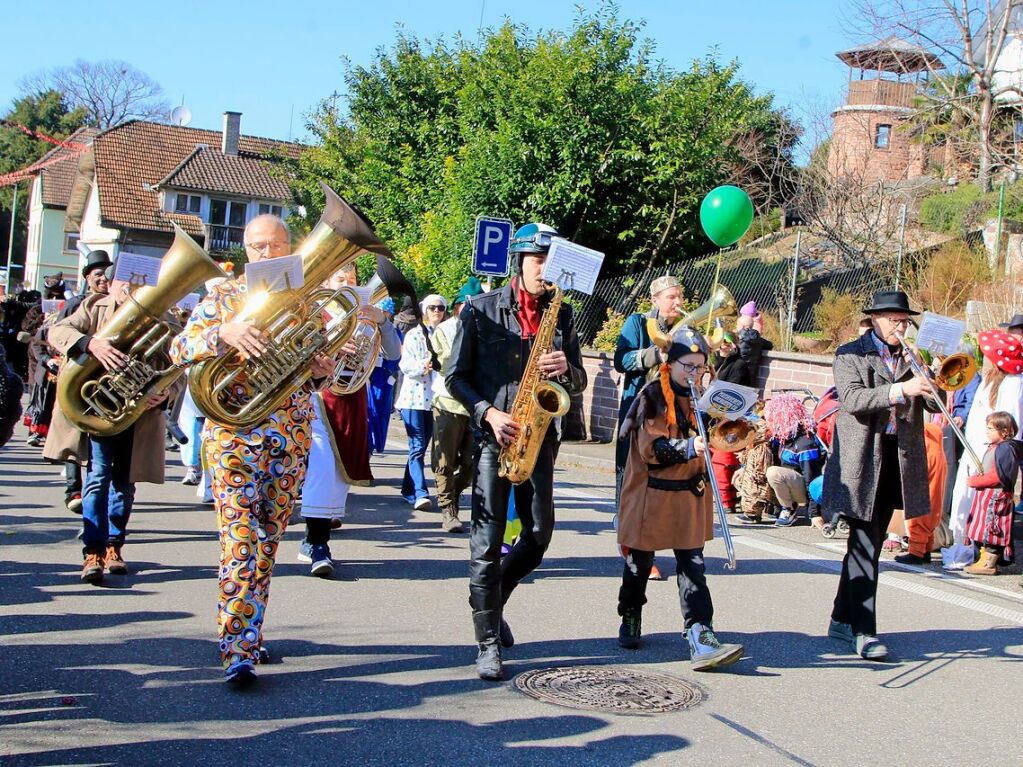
{"x": 365, "y": 294}
{"x": 939, "y": 334}
{"x": 727, "y": 400}
{"x": 51, "y": 305}
{"x": 137, "y": 270}
{"x": 188, "y": 302}
{"x": 275, "y": 274}
{"x": 572, "y": 266}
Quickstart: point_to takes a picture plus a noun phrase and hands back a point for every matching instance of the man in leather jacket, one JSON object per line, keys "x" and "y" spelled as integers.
{"x": 488, "y": 360}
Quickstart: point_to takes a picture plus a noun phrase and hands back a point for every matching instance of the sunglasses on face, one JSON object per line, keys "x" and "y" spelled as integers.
{"x": 435, "y": 308}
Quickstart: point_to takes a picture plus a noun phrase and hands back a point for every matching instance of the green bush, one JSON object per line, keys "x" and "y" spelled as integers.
{"x": 950, "y": 212}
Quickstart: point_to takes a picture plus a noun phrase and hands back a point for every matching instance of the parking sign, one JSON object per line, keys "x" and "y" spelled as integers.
{"x": 490, "y": 246}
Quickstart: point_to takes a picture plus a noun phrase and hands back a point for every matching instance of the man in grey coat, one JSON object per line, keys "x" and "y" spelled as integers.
{"x": 877, "y": 464}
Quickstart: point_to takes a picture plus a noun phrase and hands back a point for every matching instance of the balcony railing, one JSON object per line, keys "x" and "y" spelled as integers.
{"x": 881, "y": 92}
{"x": 224, "y": 237}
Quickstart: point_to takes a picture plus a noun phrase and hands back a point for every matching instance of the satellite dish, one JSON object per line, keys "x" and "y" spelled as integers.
{"x": 181, "y": 115}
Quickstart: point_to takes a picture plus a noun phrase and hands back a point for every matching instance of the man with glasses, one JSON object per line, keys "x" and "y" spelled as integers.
{"x": 256, "y": 471}
{"x": 489, "y": 357}
{"x": 878, "y": 461}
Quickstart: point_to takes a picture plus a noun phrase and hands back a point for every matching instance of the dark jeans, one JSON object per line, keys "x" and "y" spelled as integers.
{"x": 419, "y": 427}
{"x": 491, "y": 578}
{"x": 108, "y": 495}
{"x": 855, "y": 602}
{"x": 693, "y": 594}
{"x": 72, "y": 480}
{"x": 317, "y": 530}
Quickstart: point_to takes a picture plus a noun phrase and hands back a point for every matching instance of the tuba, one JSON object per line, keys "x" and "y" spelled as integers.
{"x": 721, "y": 305}
{"x": 536, "y": 402}
{"x": 103, "y": 403}
{"x": 298, "y": 324}
{"x": 353, "y": 368}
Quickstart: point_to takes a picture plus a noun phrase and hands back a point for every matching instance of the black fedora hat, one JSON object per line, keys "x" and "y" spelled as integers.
{"x": 97, "y": 259}
{"x": 1015, "y": 322}
{"x": 889, "y": 301}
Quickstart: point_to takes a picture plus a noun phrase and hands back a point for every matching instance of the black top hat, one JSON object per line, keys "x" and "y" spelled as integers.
{"x": 889, "y": 301}
{"x": 1015, "y": 322}
{"x": 97, "y": 259}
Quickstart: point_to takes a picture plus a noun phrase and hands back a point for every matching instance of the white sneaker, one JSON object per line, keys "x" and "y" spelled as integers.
{"x": 706, "y": 652}
{"x": 423, "y": 504}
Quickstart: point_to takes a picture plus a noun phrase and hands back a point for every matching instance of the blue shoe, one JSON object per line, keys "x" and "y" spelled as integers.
{"x": 322, "y": 563}
{"x": 305, "y": 552}
{"x": 787, "y": 518}
{"x": 240, "y": 674}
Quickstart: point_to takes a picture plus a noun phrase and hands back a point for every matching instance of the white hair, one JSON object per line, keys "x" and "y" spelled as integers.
{"x": 269, "y": 217}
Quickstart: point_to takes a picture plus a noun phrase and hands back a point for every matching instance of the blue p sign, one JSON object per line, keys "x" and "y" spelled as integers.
{"x": 490, "y": 246}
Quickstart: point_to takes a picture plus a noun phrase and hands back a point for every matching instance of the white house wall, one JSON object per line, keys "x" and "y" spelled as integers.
{"x": 93, "y": 234}
{"x": 1009, "y": 70}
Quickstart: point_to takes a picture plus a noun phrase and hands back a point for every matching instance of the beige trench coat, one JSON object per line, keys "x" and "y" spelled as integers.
{"x": 652, "y": 517}
{"x": 64, "y": 441}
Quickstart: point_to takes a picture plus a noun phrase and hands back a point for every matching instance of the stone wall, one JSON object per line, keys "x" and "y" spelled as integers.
{"x": 778, "y": 370}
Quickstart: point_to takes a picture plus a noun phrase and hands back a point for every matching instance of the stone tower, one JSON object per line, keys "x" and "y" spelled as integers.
{"x": 868, "y": 140}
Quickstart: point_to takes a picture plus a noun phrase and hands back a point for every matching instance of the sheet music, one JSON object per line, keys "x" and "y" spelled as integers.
{"x": 939, "y": 334}
{"x": 51, "y": 305}
{"x": 189, "y": 302}
{"x": 137, "y": 270}
{"x": 572, "y": 266}
{"x": 275, "y": 274}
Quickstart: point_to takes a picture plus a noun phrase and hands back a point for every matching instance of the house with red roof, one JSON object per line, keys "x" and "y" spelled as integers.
{"x": 139, "y": 178}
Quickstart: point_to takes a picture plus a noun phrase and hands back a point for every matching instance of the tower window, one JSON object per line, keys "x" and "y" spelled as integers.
{"x": 882, "y": 135}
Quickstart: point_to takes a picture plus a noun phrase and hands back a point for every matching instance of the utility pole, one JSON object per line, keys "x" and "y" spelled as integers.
{"x": 10, "y": 241}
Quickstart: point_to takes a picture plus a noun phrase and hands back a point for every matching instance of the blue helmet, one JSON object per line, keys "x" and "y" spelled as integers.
{"x": 532, "y": 238}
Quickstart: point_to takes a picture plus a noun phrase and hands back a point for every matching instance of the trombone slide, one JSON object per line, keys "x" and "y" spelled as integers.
{"x": 719, "y": 506}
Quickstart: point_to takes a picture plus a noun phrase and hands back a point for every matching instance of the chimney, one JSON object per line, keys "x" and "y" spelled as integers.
{"x": 232, "y": 130}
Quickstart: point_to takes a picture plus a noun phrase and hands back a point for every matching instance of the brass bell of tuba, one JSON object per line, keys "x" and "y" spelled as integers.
{"x": 353, "y": 369}
{"x": 956, "y": 371}
{"x": 104, "y": 403}
{"x": 240, "y": 392}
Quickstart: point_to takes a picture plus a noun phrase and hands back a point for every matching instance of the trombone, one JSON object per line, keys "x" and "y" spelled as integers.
{"x": 957, "y": 370}
{"x": 719, "y": 506}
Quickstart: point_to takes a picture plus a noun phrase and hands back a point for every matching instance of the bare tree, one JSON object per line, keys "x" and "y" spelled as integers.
{"x": 111, "y": 91}
{"x": 968, "y": 37}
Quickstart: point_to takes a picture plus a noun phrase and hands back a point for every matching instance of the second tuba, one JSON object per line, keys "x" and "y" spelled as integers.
{"x": 298, "y": 324}
{"x": 104, "y": 403}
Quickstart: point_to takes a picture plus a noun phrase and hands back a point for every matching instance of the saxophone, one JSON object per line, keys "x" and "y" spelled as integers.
{"x": 103, "y": 403}
{"x": 536, "y": 403}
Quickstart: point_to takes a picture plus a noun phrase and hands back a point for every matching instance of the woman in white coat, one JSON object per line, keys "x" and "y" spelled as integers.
{"x": 1001, "y": 389}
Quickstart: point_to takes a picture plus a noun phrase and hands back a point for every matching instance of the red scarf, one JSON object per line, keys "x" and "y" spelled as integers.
{"x": 529, "y": 313}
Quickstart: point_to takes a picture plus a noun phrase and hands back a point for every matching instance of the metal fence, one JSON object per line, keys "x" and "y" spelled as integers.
{"x": 746, "y": 274}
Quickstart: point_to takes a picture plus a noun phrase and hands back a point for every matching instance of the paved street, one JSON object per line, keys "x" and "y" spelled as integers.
{"x": 374, "y": 666}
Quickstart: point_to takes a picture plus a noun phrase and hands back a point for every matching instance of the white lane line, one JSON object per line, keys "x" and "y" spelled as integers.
{"x": 888, "y": 579}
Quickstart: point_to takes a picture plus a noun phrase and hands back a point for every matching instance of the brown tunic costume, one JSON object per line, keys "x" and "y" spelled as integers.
{"x": 655, "y": 513}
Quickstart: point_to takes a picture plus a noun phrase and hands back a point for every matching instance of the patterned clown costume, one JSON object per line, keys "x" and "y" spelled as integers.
{"x": 256, "y": 474}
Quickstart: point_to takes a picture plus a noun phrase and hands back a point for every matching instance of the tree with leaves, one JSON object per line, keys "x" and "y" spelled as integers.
{"x": 48, "y": 113}
{"x": 582, "y": 129}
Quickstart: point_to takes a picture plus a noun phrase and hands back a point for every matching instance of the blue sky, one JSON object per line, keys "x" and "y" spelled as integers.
{"x": 270, "y": 60}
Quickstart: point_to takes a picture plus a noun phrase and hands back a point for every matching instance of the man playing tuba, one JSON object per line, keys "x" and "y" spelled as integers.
{"x": 116, "y": 462}
{"x": 256, "y": 471}
{"x": 490, "y": 355}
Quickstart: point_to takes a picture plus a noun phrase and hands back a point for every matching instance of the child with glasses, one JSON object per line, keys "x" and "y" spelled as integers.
{"x": 666, "y": 504}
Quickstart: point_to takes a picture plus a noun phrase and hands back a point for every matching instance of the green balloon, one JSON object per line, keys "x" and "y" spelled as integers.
{"x": 726, "y": 213}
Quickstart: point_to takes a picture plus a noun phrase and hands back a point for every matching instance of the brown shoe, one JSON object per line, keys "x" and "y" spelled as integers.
{"x": 115, "y": 562}
{"x": 92, "y": 568}
{"x": 986, "y": 565}
{"x": 450, "y": 522}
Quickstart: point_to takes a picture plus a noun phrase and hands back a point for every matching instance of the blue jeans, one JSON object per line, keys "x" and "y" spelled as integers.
{"x": 419, "y": 427}
{"x": 108, "y": 495}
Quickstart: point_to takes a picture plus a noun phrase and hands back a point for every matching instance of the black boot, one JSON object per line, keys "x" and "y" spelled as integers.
{"x": 507, "y": 637}
{"x": 631, "y": 628}
{"x": 488, "y": 662}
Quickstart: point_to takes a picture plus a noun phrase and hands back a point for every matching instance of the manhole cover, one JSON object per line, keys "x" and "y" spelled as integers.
{"x": 613, "y": 689}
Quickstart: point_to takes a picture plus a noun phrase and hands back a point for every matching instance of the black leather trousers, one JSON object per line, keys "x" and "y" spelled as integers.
{"x": 491, "y": 578}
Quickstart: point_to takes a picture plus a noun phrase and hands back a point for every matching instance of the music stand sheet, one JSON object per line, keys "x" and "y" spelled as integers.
{"x": 572, "y": 266}
{"x": 939, "y": 334}
{"x": 275, "y": 274}
{"x": 727, "y": 400}
{"x": 189, "y": 302}
{"x": 136, "y": 269}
